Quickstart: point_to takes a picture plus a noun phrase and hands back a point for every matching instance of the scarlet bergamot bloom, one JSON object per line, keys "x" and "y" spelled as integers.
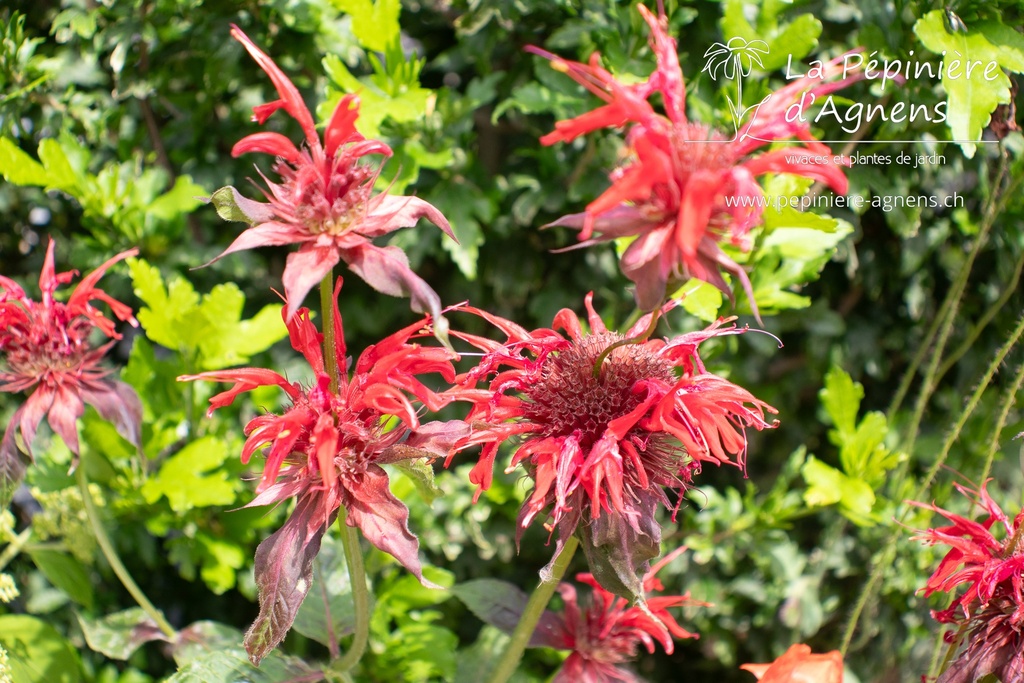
{"x": 992, "y": 606}
{"x": 685, "y": 186}
{"x": 326, "y": 451}
{"x": 603, "y": 425}
{"x": 606, "y": 632}
{"x": 45, "y": 347}
{"x": 325, "y": 201}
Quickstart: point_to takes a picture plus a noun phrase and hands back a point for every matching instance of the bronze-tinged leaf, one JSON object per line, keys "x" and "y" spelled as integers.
{"x": 284, "y": 573}
{"x": 501, "y": 604}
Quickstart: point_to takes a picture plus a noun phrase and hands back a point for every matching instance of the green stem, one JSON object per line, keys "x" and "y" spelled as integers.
{"x": 1008, "y": 401}
{"x": 14, "y": 547}
{"x": 886, "y": 556}
{"x": 349, "y": 534}
{"x": 115, "y": 562}
{"x": 535, "y": 607}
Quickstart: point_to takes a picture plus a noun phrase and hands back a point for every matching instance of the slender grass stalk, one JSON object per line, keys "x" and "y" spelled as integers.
{"x": 535, "y": 607}
{"x": 1009, "y": 398}
{"x": 349, "y": 534}
{"x": 114, "y": 560}
{"x": 886, "y": 556}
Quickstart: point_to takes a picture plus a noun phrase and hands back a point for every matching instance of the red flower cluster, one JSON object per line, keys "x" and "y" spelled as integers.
{"x": 686, "y": 187}
{"x": 45, "y": 345}
{"x": 325, "y": 201}
{"x": 606, "y": 632}
{"x": 993, "y": 604}
{"x": 605, "y": 422}
{"x": 327, "y": 449}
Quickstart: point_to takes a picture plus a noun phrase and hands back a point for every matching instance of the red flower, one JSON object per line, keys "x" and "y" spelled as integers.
{"x": 607, "y": 631}
{"x": 45, "y": 345}
{"x": 600, "y": 448}
{"x": 327, "y": 451}
{"x": 993, "y": 604}
{"x": 686, "y": 186}
{"x": 325, "y": 201}
{"x": 799, "y": 665}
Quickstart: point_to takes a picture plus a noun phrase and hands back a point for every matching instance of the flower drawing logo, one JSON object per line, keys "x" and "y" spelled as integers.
{"x": 735, "y": 60}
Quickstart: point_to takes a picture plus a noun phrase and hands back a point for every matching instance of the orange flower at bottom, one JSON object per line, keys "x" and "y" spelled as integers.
{"x": 799, "y": 665}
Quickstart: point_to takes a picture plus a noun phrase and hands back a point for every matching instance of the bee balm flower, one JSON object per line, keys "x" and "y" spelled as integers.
{"x": 325, "y": 201}
{"x": 45, "y": 347}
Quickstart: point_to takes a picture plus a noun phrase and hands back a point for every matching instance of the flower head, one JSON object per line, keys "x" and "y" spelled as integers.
{"x": 607, "y": 631}
{"x": 799, "y": 665}
{"x": 327, "y": 449}
{"x": 992, "y": 606}
{"x": 604, "y": 422}
{"x": 45, "y": 347}
{"x": 686, "y": 186}
{"x": 325, "y": 201}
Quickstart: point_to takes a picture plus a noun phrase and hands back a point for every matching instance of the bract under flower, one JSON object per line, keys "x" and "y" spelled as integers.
{"x": 686, "y": 187}
{"x": 44, "y": 347}
{"x": 325, "y": 201}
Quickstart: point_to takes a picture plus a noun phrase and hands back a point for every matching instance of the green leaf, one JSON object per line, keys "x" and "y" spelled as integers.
{"x": 841, "y": 399}
{"x": 37, "y": 652}
{"x": 232, "y": 665}
{"x": 193, "y": 477}
{"x": 166, "y": 318}
{"x": 182, "y": 198}
{"x": 60, "y": 174}
{"x": 827, "y": 486}
{"x": 796, "y": 38}
{"x": 420, "y": 652}
{"x": 501, "y": 605}
{"x": 701, "y": 299}
{"x": 118, "y": 635}
{"x": 221, "y": 559}
{"x": 66, "y": 573}
{"x": 421, "y": 474}
{"x": 203, "y": 638}
{"x": 374, "y": 24}
{"x": 19, "y": 168}
{"x": 971, "y": 100}
{"x": 228, "y": 340}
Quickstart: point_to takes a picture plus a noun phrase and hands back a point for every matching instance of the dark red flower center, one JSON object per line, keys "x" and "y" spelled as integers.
{"x": 47, "y": 347}
{"x": 567, "y": 398}
{"x": 328, "y": 202}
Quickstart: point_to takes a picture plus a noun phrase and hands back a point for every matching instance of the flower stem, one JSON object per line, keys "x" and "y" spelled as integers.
{"x": 349, "y": 534}
{"x": 531, "y": 615}
{"x": 14, "y": 547}
{"x": 115, "y": 562}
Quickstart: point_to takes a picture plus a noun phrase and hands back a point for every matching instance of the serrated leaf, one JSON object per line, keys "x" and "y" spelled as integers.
{"x": 191, "y": 478}
{"x": 421, "y": 474}
{"x": 65, "y": 572}
{"x": 796, "y": 38}
{"x": 37, "y": 652}
{"x": 841, "y": 398}
{"x": 501, "y": 604}
{"x": 701, "y": 299}
{"x": 221, "y": 559}
{"x": 60, "y": 174}
{"x": 827, "y": 486}
{"x": 19, "y": 168}
{"x": 970, "y": 101}
{"x": 182, "y": 198}
{"x": 374, "y": 24}
{"x": 228, "y": 340}
{"x": 118, "y": 635}
{"x": 166, "y": 315}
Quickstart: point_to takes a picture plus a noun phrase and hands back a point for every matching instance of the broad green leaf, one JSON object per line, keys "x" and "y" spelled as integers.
{"x": 970, "y": 100}
{"x": 420, "y": 651}
{"x": 203, "y": 638}
{"x": 701, "y": 299}
{"x": 827, "y": 486}
{"x": 221, "y": 559}
{"x": 864, "y": 455}
{"x": 60, "y": 174}
{"x": 231, "y": 665}
{"x": 796, "y": 38}
{"x": 841, "y": 399}
{"x": 19, "y": 168}
{"x": 228, "y": 340}
{"x": 37, "y": 653}
{"x": 193, "y": 478}
{"x": 374, "y": 24}
{"x": 66, "y": 573}
{"x": 501, "y": 605}
{"x": 477, "y": 660}
{"x": 166, "y": 317}
{"x": 467, "y": 208}
{"x": 182, "y": 198}
{"x": 118, "y": 635}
